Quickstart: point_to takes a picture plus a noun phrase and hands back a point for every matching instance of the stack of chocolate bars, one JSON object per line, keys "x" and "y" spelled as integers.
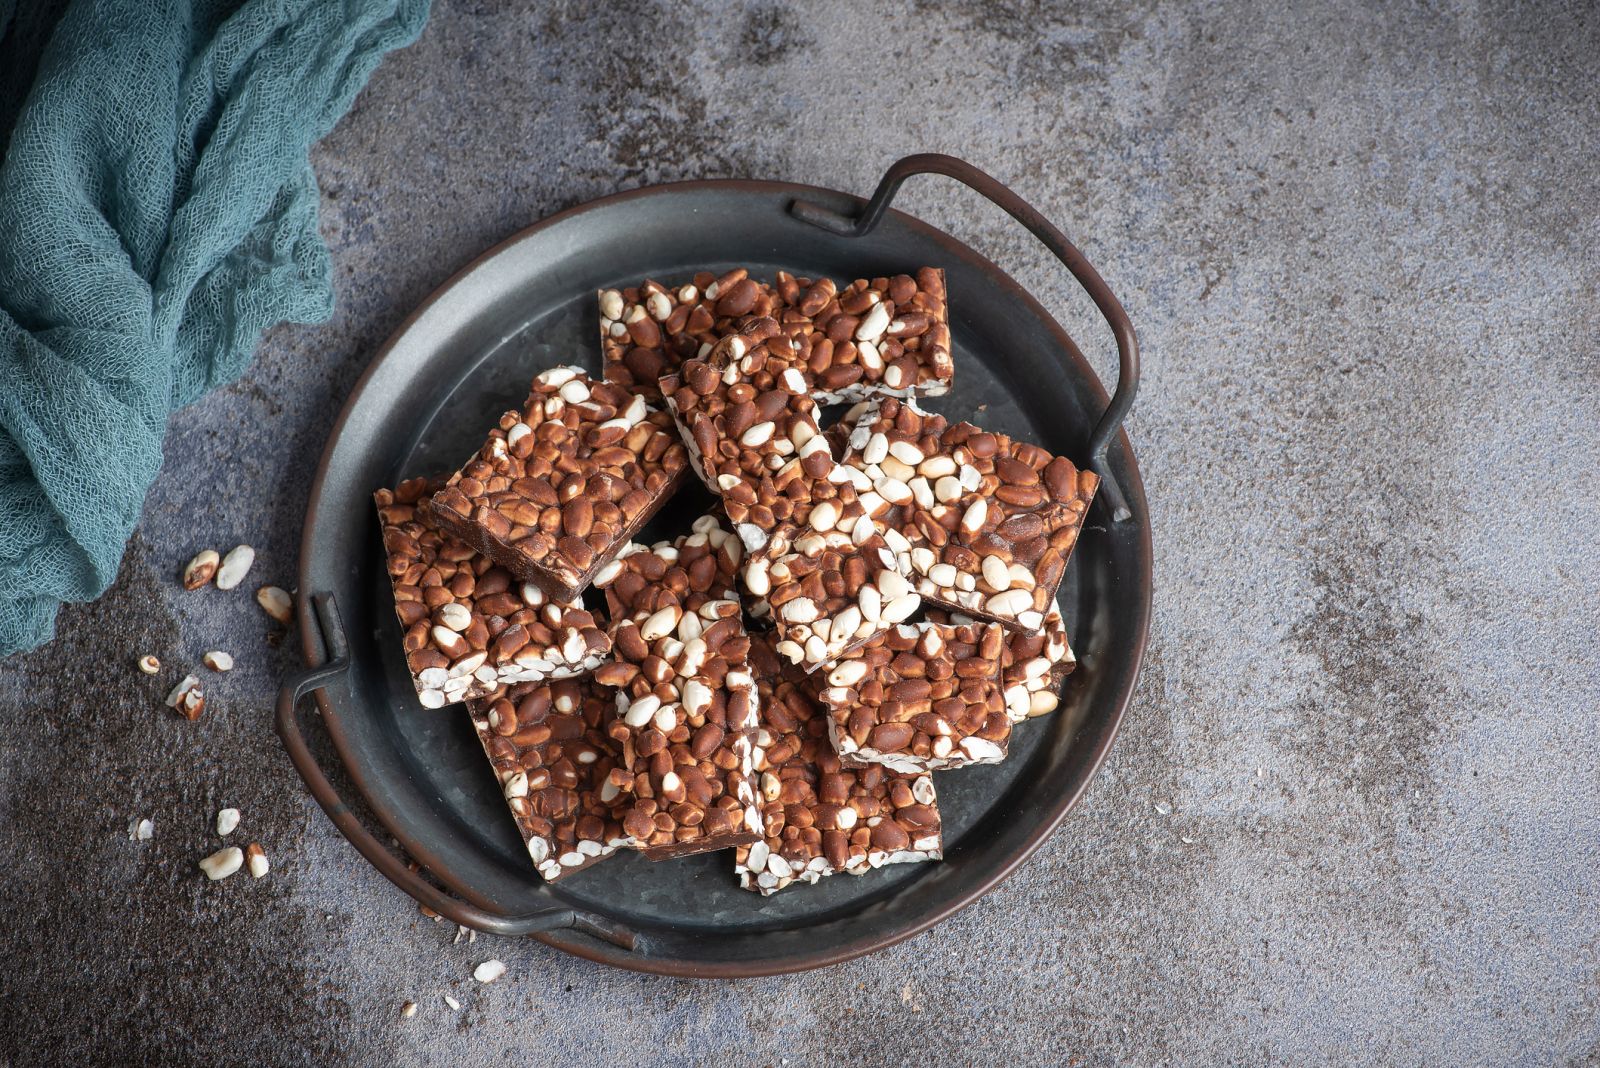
{"x": 867, "y": 603}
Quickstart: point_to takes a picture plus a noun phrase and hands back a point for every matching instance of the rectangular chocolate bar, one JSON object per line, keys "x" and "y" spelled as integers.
{"x": 983, "y": 524}
{"x": 686, "y": 703}
{"x": 471, "y": 628}
{"x": 821, "y": 818}
{"x": 876, "y": 337}
{"x": 751, "y": 438}
{"x": 832, "y": 585}
{"x": 1033, "y": 667}
{"x": 648, "y": 330}
{"x": 551, "y": 753}
{"x": 922, "y": 697}
{"x": 563, "y": 484}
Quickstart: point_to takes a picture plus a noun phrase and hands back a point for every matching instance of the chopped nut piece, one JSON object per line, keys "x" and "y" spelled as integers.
{"x": 455, "y": 1006}
{"x": 489, "y": 971}
{"x": 149, "y": 665}
{"x": 233, "y": 567}
{"x": 227, "y": 821}
{"x": 188, "y": 683}
{"x": 276, "y": 603}
{"x": 223, "y": 863}
{"x": 256, "y": 858}
{"x": 199, "y": 571}
{"x": 408, "y": 1010}
{"x": 187, "y": 698}
{"x": 217, "y": 660}
{"x": 141, "y": 830}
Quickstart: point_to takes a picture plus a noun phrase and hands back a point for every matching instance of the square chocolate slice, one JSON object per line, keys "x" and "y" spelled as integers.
{"x": 983, "y": 524}
{"x": 551, "y": 753}
{"x": 562, "y": 485}
{"x": 922, "y": 697}
{"x": 470, "y": 627}
{"x": 821, "y": 818}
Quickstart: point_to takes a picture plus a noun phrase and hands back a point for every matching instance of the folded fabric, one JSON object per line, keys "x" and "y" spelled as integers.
{"x": 157, "y": 213}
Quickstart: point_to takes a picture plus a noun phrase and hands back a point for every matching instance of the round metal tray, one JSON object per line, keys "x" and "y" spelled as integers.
{"x": 468, "y": 353}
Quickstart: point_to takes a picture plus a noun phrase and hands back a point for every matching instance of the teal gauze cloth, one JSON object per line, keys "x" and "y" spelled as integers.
{"x": 157, "y": 213}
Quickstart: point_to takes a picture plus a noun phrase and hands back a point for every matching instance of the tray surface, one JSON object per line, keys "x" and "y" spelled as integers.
{"x": 467, "y": 354}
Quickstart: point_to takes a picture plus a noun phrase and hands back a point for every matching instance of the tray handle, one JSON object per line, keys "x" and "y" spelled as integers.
{"x": 335, "y": 662}
{"x": 1000, "y": 195}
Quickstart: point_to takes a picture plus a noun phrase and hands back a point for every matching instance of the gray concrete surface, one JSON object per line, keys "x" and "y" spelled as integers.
{"x": 1352, "y": 817}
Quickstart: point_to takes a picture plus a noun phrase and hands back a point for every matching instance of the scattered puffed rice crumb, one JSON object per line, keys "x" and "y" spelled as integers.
{"x": 276, "y": 602}
{"x": 227, "y": 821}
{"x": 455, "y": 1006}
{"x": 489, "y": 971}
{"x": 198, "y": 571}
{"x": 234, "y": 566}
{"x": 223, "y": 863}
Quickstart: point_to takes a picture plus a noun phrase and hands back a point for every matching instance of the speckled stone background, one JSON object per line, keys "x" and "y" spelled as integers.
{"x": 1354, "y": 815}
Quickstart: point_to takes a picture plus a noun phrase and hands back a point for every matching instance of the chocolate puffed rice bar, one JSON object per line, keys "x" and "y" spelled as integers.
{"x": 562, "y": 485}
{"x": 553, "y": 757}
{"x": 469, "y": 627}
{"x": 752, "y": 438}
{"x": 1034, "y": 664}
{"x": 875, "y": 337}
{"x": 832, "y": 584}
{"x": 821, "y": 818}
{"x": 922, "y": 697}
{"x": 648, "y": 330}
{"x": 686, "y": 702}
{"x": 982, "y": 524}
